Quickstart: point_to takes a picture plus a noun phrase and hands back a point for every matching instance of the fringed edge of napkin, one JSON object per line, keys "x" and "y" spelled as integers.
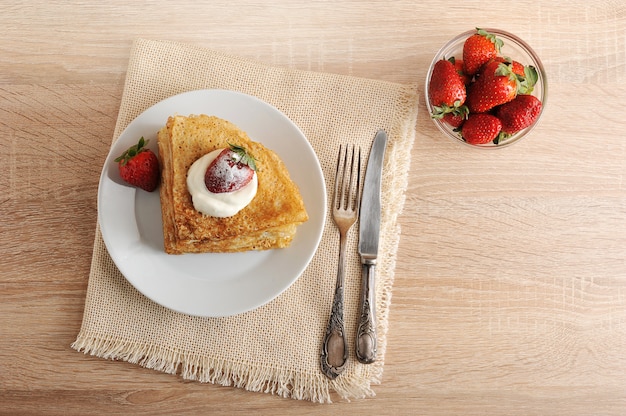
{"x": 193, "y": 367}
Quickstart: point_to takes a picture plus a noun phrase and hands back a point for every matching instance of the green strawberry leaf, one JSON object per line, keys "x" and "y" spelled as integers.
{"x": 530, "y": 72}
{"x": 531, "y": 77}
{"x": 244, "y": 157}
{"x": 132, "y": 151}
{"x": 501, "y": 137}
{"x": 498, "y": 43}
{"x": 458, "y": 109}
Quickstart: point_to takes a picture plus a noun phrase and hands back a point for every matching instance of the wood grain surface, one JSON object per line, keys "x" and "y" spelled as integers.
{"x": 510, "y": 288}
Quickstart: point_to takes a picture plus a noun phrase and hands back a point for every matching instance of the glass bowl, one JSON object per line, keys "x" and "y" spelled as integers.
{"x": 514, "y": 48}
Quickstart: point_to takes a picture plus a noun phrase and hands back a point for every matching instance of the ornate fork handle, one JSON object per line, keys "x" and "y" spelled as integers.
{"x": 335, "y": 345}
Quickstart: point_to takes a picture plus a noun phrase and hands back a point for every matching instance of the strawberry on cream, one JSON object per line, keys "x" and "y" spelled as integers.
{"x": 223, "y": 204}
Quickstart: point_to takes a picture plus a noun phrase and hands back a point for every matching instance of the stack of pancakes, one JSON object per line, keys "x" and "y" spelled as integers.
{"x": 268, "y": 222}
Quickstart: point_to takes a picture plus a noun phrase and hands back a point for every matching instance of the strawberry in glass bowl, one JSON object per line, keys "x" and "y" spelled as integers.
{"x": 486, "y": 88}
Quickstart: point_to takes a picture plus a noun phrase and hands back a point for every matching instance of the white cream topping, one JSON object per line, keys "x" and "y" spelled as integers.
{"x": 220, "y": 205}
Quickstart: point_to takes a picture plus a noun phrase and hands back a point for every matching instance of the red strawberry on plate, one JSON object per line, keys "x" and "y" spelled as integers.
{"x": 230, "y": 171}
{"x": 139, "y": 166}
{"x": 446, "y": 91}
{"x": 495, "y": 84}
{"x": 478, "y": 49}
{"x": 518, "y": 114}
{"x": 481, "y": 128}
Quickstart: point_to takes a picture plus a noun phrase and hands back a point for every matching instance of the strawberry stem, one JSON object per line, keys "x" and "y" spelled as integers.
{"x": 132, "y": 151}
{"x": 528, "y": 81}
{"x": 497, "y": 42}
{"x": 439, "y": 111}
{"x": 244, "y": 157}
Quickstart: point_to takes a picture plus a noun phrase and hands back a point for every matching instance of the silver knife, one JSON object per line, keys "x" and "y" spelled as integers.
{"x": 369, "y": 231}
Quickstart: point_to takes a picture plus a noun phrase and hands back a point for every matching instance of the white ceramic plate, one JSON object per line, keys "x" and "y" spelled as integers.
{"x": 210, "y": 285}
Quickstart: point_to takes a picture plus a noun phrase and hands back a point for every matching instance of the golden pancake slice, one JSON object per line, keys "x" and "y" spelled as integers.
{"x": 268, "y": 222}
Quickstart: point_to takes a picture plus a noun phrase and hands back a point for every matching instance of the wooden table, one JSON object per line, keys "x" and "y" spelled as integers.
{"x": 510, "y": 288}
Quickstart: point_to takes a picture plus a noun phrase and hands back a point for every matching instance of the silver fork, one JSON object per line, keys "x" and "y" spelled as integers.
{"x": 346, "y": 201}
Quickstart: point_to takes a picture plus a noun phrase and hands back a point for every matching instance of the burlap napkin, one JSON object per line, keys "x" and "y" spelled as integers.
{"x": 275, "y": 348}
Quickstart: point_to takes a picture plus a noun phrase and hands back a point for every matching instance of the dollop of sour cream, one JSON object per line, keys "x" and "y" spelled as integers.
{"x": 221, "y": 205}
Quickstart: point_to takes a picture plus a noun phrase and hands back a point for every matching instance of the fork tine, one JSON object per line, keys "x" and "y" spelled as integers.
{"x": 346, "y": 200}
{"x": 353, "y": 186}
{"x": 338, "y": 192}
{"x": 348, "y": 188}
{"x": 346, "y": 194}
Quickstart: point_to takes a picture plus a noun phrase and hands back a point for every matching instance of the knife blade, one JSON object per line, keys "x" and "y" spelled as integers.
{"x": 369, "y": 235}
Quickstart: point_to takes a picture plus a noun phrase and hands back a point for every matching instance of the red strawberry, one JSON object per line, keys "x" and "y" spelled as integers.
{"x": 516, "y": 67}
{"x": 231, "y": 170}
{"x": 446, "y": 91}
{"x": 139, "y": 166}
{"x": 455, "y": 120}
{"x": 458, "y": 65}
{"x": 478, "y": 49}
{"x": 526, "y": 75}
{"x": 481, "y": 128}
{"x": 446, "y": 86}
{"x": 518, "y": 114}
{"x": 496, "y": 84}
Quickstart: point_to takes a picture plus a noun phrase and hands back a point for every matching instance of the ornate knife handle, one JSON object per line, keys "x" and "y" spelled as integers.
{"x": 366, "y": 343}
{"x": 335, "y": 346}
